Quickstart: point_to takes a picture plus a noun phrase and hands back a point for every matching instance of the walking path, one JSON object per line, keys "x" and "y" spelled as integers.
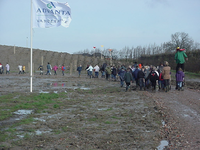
{"x": 182, "y": 120}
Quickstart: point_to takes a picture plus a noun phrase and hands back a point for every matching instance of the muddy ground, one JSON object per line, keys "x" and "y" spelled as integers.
{"x": 99, "y": 114}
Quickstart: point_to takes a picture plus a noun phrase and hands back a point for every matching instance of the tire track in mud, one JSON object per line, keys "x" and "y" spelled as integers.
{"x": 181, "y": 114}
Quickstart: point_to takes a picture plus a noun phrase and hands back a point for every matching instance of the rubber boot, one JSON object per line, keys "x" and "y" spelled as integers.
{"x": 176, "y": 85}
{"x": 126, "y": 88}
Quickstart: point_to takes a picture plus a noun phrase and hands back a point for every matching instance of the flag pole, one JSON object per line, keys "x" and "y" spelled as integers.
{"x": 31, "y": 57}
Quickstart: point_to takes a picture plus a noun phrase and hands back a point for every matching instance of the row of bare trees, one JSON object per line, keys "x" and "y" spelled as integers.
{"x": 179, "y": 39}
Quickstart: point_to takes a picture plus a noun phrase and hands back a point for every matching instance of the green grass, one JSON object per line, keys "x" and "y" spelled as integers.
{"x": 109, "y": 109}
{"x": 57, "y": 131}
{"x": 189, "y": 74}
{"x": 56, "y": 106}
{"x": 93, "y": 119}
{"x": 110, "y": 122}
{"x": 114, "y": 117}
{"x": 13, "y": 102}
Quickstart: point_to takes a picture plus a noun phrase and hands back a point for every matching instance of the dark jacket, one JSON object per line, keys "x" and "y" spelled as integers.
{"x": 40, "y": 67}
{"x": 135, "y": 73}
{"x": 179, "y": 76}
{"x": 153, "y": 76}
{"x": 121, "y": 74}
{"x": 104, "y": 67}
{"x": 140, "y": 74}
{"x": 79, "y": 68}
{"x": 114, "y": 71}
{"x": 128, "y": 77}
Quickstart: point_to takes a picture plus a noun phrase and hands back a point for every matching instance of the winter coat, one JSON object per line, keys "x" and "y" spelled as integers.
{"x": 160, "y": 77}
{"x": 48, "y": 66}
{"x": 96, "y": 68}
{"x": 180, "y": 57}
{"x": 7, "y": 67}
{"x": 79, "y": 68}
{"x": 121, "y": 74}
{"x": 108, "y": 70}
{"x": 55, "y": 68}
{"x": 128, "y": 77}
{"x": 179, "y": 76}
{"x": 63, "y": 68}
{"x": 114, "y": 71}
{"x": 135, "y": 73}
{"x": 140, "y": 74}
{"x": 40, "y": 67}
{"x": 146, "y": 72}
{"x": 90, "y": 68}
{"x": 104, "y": 67}
{"x": 23, "y": 68}
{"x": 153, "y": 76}
{"x": 166, "y": 72}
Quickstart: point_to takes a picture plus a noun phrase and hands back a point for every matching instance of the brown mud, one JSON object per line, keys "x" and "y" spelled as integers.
{"x": 99, "y": 114}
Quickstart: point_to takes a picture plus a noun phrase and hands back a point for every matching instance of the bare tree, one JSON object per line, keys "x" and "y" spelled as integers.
{"x": 182, "y": 40}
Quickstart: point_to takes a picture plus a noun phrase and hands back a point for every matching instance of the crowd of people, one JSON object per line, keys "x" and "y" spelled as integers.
{"x": 144, "y": 76}
{"x": 49, "y": 68}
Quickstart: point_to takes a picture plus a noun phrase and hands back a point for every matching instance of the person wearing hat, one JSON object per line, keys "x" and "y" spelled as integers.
{"x": 180, "y": 58}
{"x": 166, "y": 72}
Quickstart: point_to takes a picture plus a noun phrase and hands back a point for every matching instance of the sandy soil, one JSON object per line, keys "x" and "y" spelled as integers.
{"x": 99, "y": 114}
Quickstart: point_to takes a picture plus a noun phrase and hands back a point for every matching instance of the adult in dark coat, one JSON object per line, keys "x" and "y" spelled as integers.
{"x": 135, "y": 75}
{"x": 141, "y": 78}
{"x": 114, "y": 72}
{"x": 128, "y": 78}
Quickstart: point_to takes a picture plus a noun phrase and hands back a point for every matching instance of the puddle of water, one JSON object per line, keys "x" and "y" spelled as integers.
{"x": 39, "y": 119}
{"x": 185, "y": 115}
{"x": 21, "y": 136}
{"x": 162, "y": 145}
{"x": 57, "y": 116}
{"x": 23, "y": 112}
{"x": 102, "y": 108}
{"x": 163, "y": 123}
{"x": 82, "y": 88}
{"x": 39, "y": 132}
{"x": 43, "y": 92}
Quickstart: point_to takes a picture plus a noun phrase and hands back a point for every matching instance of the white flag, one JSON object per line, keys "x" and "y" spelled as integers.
{"x": 47, "y": 14}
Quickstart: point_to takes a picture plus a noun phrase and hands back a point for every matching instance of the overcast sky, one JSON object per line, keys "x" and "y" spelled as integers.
{"x": 112, "y": 23}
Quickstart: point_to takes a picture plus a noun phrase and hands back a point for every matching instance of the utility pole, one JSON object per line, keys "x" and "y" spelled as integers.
{"x": 110, "y": 50}
{"x": 101, "y": 50}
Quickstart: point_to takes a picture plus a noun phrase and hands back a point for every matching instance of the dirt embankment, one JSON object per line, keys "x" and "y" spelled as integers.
{"x": 20, "y": 55}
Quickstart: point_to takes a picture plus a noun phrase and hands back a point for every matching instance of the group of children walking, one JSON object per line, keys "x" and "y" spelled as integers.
{"x": 150, "y": 76}
{"x": 144, "y": 76}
